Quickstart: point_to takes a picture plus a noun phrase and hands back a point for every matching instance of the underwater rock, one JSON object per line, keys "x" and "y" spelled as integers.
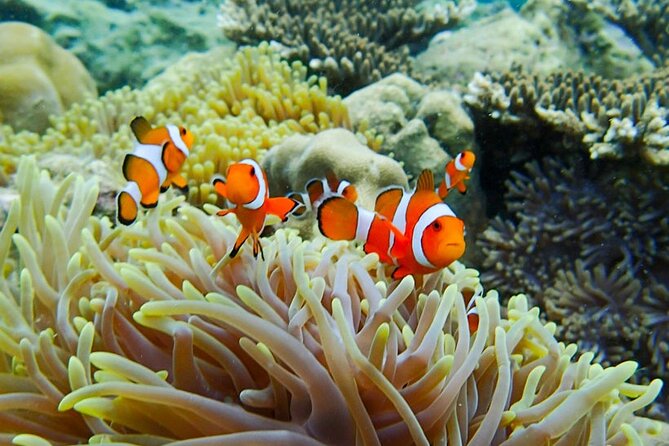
{"x": 38, "y": 78}
{"x": 122, "y": 43}
{"x": 299, "y": 158}
{"x": 389, "y": 105}
{"x": 602, "y": 46}
{"x": 494, "y": 43}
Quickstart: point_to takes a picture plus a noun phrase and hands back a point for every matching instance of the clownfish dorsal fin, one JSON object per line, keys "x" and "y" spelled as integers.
{"x": 331, "y": 179}
{"x": 140, "y": 127}
{"x": 425, "y": 181}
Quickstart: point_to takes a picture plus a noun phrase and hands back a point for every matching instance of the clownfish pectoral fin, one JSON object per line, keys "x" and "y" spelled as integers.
{"x": 180, "y": 183}
{"x": 425, "y": 180}
{"x": 220, "y": 186}
{"x": 140, "y": 127}
{"x": 462, "y": 187}
{"x": 281, "y": 207}
{"x": 241, "y": 238}
{"x": 224, "y": 212}
{"x": 400, "y": 272}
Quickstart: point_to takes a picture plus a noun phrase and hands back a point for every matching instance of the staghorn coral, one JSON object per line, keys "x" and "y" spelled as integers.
{"x": 351, "y": 42}
{"x": 621, "y": 119}
{"x": 238, "y": 106}
{"x": 131, "y": 336}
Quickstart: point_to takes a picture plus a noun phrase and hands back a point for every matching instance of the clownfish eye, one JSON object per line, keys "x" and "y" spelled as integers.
{"x": 436, "y": 226}
{"x": 253, "y": 172}
{"x": 183, "y": 131}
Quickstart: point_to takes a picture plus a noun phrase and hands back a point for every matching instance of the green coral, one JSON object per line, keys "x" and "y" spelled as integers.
{"x": 133, "y": 335}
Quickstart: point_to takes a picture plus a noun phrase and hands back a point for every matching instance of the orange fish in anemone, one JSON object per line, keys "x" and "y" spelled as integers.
{"x": 415, "y": 231}
{"x": 319, "y": 189}
{"x": 456, "y": 172}
{"x": 246, "y": 187}
{"x": 152, "y": 167}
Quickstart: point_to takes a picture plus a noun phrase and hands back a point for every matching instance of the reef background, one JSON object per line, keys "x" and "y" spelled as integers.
{"x": 564, "y": 102}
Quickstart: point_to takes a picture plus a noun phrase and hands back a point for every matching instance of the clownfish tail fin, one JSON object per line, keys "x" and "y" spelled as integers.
{"x": 140, "y": 127}
{"x": 337, "y": 218}
{"x": 302, "y": 203}
{"x": 127, "y": 204}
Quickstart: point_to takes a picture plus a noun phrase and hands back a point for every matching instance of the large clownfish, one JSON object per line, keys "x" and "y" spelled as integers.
{"x": 415, "y": 231}
{"x": 456, "y": 172}
{"x": 319, "y": 189}
{"x": 246, "y": 187}
{"x": 152, "y": 167}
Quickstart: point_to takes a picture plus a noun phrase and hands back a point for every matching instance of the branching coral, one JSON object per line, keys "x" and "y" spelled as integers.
{"x": 130, "y": 335}
{"x": 237, "y": 106}
{"x": 608, "y": 118}
{"x": 351, "y": 42}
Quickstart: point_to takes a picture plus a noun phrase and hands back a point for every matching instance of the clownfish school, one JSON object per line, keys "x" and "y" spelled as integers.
{"x": 414, "y": 231}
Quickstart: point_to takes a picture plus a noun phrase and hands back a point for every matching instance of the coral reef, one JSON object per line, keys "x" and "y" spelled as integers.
{"x": 644, "y": 20}
{"x": 122, "y": 42}
{"x": 621, "y": 119}
{"x": 130, "y": 336}
{"x": 593, "y": 251}
{"x": 37, "y": 78}
{"x": 237, "y": 105}
{"x": 351, "y": 42}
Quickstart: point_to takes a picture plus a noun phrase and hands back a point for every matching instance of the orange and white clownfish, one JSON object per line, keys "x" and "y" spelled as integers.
{"x": 415, "y": 231}
{"x": 456, "y": 172}
{"x": 318, "y": 189}
{"x": 152, "y": 167}
{"x": 246, "y": 186}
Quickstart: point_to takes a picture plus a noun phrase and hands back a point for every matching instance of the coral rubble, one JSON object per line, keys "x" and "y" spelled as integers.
{"x": 351, "y": 42}
{"x": 130, "y": 335}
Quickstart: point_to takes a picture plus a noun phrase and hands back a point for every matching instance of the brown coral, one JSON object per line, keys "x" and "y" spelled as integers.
{"x": 351, "y": 42}
{"x": 620, "y": 119}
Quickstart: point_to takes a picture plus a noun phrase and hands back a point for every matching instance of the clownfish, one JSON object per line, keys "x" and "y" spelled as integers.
{"x": 456, "y": 172}
{"x": 152, "y": 167}
{"x": 319, "y": 189}
{"x": 247, "y": 188}
{"x": 415, "y": 231}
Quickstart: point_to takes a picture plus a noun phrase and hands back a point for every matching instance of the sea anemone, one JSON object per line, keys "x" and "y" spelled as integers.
{"x": 140, "y": 335}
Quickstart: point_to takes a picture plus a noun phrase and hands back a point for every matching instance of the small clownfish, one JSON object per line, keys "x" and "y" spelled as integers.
{"x": 319, "y": 189}
{"x": 152, "y": 167}
{"x": 246, "y": 187}
{"x": 415, "y": 231}
{"x": 456, "y": 172}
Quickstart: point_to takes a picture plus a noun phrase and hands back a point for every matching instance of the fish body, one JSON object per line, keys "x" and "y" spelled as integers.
{"x": 319, "y": 189}
{"x": 456, "y": 172}
{"x": 415, "y": 231}
{"x": 246, "y": 187}
{"x": 151, "y": 167}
